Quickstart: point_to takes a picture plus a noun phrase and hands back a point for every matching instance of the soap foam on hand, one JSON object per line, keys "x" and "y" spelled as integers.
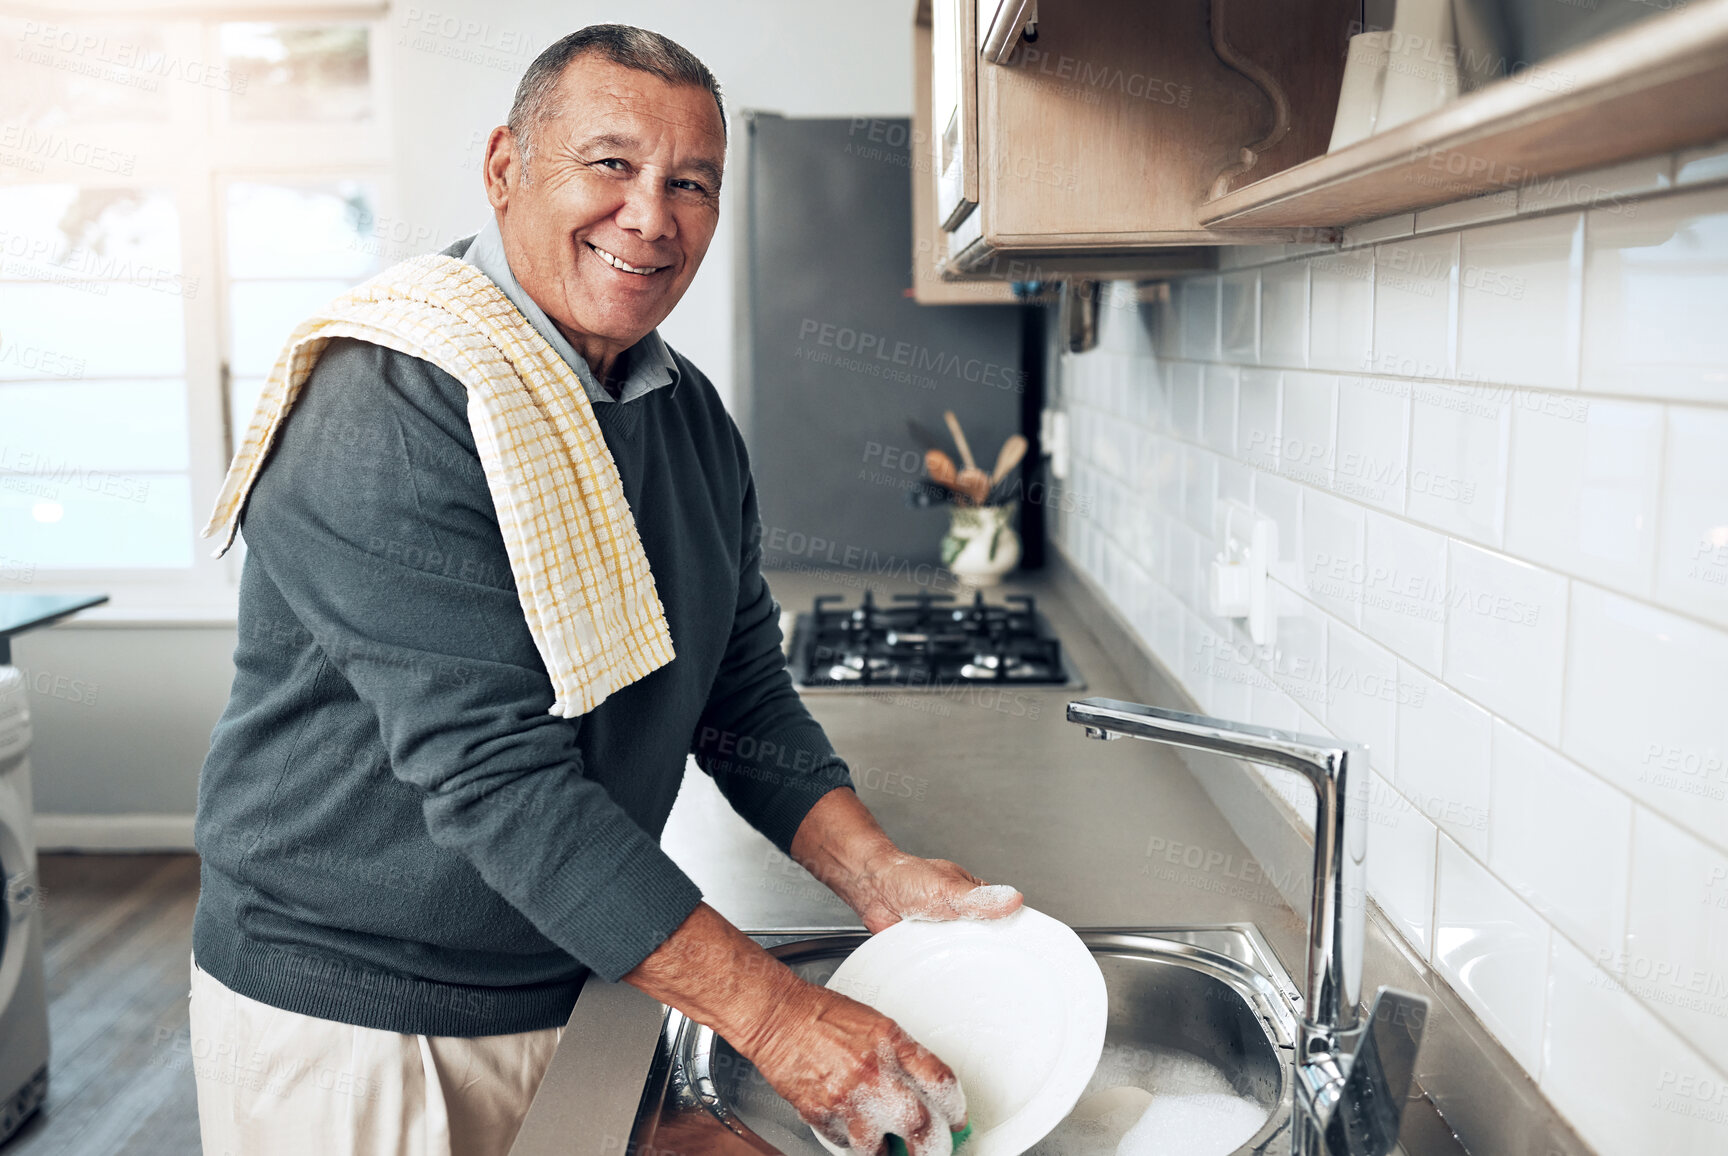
{"x": 882, "y": 1105}
{"x": 982, "y": 902}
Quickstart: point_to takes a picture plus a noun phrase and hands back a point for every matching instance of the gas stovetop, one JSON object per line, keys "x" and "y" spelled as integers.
{"x": 926, "y": 641}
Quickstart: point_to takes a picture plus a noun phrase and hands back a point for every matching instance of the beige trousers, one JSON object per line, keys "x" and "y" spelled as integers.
{"x": 278, "y": 1083}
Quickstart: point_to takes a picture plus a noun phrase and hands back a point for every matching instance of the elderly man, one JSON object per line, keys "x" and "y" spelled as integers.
{"x": 415, "y": 849}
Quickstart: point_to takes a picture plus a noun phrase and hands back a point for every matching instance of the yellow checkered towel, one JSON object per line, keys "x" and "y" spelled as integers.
{"x": 578, "y": 561}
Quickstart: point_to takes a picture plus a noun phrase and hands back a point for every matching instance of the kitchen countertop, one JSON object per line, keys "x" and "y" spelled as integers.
{"x": 1094, "y": 834}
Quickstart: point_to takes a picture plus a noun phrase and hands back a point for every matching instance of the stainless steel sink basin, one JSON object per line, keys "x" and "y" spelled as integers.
{"x": 1215, "y": 992}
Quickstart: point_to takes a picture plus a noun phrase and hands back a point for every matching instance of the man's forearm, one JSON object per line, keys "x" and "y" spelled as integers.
{"x": 839, "y": 841}
{"x": 718, "y": 976}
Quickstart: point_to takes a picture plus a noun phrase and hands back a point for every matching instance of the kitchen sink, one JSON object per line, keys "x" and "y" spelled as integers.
{"x": 1218, "y": 993}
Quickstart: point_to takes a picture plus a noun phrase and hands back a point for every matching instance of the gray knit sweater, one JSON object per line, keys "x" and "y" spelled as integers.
{"x": 395, "y": 833}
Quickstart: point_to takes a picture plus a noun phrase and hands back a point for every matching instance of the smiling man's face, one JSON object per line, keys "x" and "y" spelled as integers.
{"x": 608, "y": 224}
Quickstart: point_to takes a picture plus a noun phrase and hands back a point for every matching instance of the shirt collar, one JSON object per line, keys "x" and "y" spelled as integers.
{"x": 649, "y": 363}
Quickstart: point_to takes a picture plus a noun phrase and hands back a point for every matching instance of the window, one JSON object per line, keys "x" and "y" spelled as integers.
{"x": 176, "y": 194}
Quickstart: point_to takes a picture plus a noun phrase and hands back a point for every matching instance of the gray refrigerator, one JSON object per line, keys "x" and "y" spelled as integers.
{"x": 833, "y": 355}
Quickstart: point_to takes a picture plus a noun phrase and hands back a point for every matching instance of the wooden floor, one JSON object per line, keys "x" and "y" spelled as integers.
{"x": 118, "y": 938}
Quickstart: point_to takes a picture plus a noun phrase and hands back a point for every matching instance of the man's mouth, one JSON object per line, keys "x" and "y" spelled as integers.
{"x": 625, "y": 266}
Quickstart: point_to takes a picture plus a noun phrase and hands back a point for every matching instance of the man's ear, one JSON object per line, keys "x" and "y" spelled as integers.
{"x": 501, "y": 171}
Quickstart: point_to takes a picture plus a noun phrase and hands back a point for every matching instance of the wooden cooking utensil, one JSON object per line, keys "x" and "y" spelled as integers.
{"x": 940, "y": 467}
{"x": 959, "y": 440}
{"x": 975, "y": 484}
{"x": 1007, "y": 458}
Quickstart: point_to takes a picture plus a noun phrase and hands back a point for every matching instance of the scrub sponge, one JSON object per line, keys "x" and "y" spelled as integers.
{"x": 897, "y": 1146}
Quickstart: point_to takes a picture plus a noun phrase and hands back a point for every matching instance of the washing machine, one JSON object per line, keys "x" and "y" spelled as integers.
{"x": 23, "y": 988}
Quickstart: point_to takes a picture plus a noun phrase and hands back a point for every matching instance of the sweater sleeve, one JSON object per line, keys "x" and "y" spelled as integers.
{"x": 374, "y": 519}
{"x": 758, "y": 741}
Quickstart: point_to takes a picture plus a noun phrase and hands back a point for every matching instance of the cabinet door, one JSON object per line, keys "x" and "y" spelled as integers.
{"x": 954, "y": 87}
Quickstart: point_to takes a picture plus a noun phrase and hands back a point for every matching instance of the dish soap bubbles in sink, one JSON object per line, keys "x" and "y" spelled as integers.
{"x": 1154, "y": 1101}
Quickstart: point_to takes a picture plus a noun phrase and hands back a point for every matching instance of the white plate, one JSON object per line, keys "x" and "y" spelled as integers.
{"x": 1015, "y": 1006}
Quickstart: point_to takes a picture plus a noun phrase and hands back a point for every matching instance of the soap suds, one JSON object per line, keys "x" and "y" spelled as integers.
{"x": 988, "y": 901}
{"x": 1194, "y": 1111}
{"x": 1194, "y": 1124}
{"x": 889, "y": 1103}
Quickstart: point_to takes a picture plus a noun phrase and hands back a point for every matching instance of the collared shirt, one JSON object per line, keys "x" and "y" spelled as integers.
{"x": 647, "y": 365}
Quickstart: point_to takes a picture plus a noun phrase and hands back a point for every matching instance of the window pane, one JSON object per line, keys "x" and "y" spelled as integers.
{"x": 320, "y": 230}
{"x": 65, "y": 233}
{"x": 298, "y": 72}
{"x": 105, "y": 425}
{"x": 83, "y": 519}
{"x": 63, "y": 332}
{"x": 59, "y": 74}
{"x": 265, "y": 313}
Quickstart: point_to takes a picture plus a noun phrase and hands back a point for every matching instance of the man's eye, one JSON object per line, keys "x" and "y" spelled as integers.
{"x": 615, "y": 163}
{"x": 692, "y": 186}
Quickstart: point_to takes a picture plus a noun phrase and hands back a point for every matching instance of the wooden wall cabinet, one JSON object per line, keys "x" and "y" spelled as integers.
{"x": 1131, "y": 138}
{"x": 1099, "y": 142}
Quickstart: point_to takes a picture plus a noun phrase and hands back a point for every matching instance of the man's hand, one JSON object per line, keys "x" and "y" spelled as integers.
{"x": 855, "y": 1076}
{"x": 850, "y": 1071}
{"x": 895, "y": 886}
{"x": 841, "y": 844}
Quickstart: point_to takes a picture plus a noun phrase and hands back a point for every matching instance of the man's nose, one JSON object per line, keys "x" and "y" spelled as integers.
{"x": 647, "y": 211}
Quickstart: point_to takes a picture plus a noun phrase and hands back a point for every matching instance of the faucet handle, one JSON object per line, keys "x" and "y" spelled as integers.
{"x": 1370, "y": 1107}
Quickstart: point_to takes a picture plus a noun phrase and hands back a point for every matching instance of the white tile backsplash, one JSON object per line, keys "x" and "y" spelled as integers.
{"x": 1502, "y": 566}
{"x": 1257, "y": 401}
{"x": 1401, "y": 844}
{"x": 1218, "y": 408}
{"x": 1284, "y": 314}
{"x": 1404, "y": 589}
{"x": 1414, "y": 306}
{"x": 1582, "y": 492}
{"x": 1561, "y": 837}
{"x": 1645, "y": 695}
{"x": 1519, "y": 289}
{"x": 1239, "y": 317}
{"x": 1307, "y": 438}
{"x": 1676, "y": 955}
{"x": 1506, "y": 636}
{"x": 1444, "y": 743}
{"x": 1341, "y": 310}
{"x": 1692, "y": 554}
{"x": 1493, "y": 950}
{"x": 1371, "y": 451}
{"x": 1197, "y": 302}
{"x": 1333, "y": 532}
{"x": 1625, "y": 1080}
{"x": 1362, "y": 693}
{"x": 1459, "y": 439}
{"x": 1185, "y": 399}
{"x": 1655, "y": 294}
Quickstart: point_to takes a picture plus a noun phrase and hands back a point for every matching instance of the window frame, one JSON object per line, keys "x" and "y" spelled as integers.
{"x": 195, "y": 154}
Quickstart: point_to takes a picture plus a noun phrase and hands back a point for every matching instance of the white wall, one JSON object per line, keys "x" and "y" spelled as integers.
{"x": 1494, "y": 439}
{"x": 787, "y": 56}
{"x": 122, "y": 719}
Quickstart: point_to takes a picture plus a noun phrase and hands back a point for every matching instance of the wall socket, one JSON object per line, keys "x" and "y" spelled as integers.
{"x": 1237, "y": 586}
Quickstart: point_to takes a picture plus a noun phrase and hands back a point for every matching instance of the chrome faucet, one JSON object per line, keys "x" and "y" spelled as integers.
{"x": 1351, "y": 1079}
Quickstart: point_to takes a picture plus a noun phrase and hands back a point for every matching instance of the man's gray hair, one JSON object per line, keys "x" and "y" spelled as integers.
{"x": 537, "y": 98}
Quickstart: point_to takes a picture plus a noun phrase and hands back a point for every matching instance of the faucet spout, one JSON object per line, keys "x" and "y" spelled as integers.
{"x": 1332, "y": 979}
{"x": 1350, "y": 1087}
